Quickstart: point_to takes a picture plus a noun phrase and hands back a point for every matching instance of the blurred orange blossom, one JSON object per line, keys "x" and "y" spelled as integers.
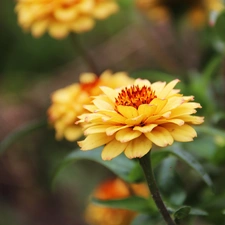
{"x": 133, "y": 118}
{"x": 110, "y": 190}
{"x": 67, "y": 103}
{"x": 60, "y": 17}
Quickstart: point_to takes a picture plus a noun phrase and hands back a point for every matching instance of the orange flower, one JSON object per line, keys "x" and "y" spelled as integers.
{"x": 196, "y": 10}
{"x": 133, "y": 118}
{"x": 114, "y": 189}
{"x": 67, "y": 103}
{"x": 60, "y": 17}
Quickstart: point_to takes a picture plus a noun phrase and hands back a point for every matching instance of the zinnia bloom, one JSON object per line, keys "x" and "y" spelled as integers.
{"x": 197, "y": 11}
{"x": 67, "y": 103}
{"x": 60, "y": 17}
{"x": 109, "y": 190}
{"x": 133, "y": 118}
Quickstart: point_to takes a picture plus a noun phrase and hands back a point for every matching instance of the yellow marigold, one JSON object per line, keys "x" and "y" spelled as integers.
{"x": 60, "y": 17}
{"x": 114, "y": 189}
{"x": 133, "y": 118}
{"x": 67, "y": 103}
{"x": 197, "y": 10}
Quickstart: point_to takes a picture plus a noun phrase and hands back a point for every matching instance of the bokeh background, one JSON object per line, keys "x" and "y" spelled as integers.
{"x": 176, "y": 46}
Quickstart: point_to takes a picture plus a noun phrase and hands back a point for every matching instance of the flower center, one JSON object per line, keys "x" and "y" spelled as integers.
{"x": 135, "y": 96}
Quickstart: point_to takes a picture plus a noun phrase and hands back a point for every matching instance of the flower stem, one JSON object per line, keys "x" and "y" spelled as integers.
{"x": 84, "y": 53}
{"x": 146, "y": 165}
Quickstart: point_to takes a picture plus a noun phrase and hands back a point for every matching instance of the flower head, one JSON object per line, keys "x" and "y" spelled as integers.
{"x": 67, "y": 103}
{"x": 196, "y": 11}
{"x": 60, "y": 17}
{"x": 133, "y": 118}
{"x": 109, "y": 190}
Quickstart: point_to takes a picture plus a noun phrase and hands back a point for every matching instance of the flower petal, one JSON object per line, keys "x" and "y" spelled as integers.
{"x": 138, "y": 147}
{"x": 93, "y": 141}
{"x": 96, "y": 129}
{"x": 127, "y": 134}
{"x": 146, "y": 110}
{"x": 110, "y": 93}
{"x": 112, "y": 129}
{"x": 167, "y": 89}
{"x": 146, "y": 128}
{"x": 183, "y": 133}
{"x": 113, "y": 149}
{"x": 127, "y": 111}
{"x": 102, "y": 104}
{"x": 160, "y": 137}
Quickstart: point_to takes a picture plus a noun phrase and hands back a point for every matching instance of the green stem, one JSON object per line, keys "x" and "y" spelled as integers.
{"x": 84, "y": 53}
{"x": 146, "y": 165}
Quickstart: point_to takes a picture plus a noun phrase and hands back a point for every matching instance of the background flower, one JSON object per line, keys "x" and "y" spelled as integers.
{"x": 109, "y": 190}
{"x": 61, "y": 17}
{"x": 131, "y": 119}
{"x": 195, "y": 10}
{"x": 67, "y": 103}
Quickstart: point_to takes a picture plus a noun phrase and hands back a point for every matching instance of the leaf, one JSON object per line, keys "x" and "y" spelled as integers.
{"x": 121, "y": 165}
{"x": 193, "y": 163}
{"x": 219, "y": 26}
{"x": 198, "y": 212}
{"x": 20, "y": 133}
{"x": 182, "y": 212}
{"x": 134, "y": 203}
{"x": 143, "y": 219}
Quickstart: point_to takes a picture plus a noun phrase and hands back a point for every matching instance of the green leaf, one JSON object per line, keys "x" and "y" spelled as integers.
{"x": 182, "y": 212}
{"x": 219, "y": 26}
{"x": 134, "y": 203}
{"x": 20, "y": 133}
{"x": 144, "y": 219}
{"x": 121, "y": 165}
{"x": 193, "y": 163}
{"x": 198, "y": 212}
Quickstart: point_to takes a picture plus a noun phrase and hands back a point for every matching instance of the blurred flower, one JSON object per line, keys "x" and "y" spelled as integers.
{"x": 197, "y": 11}
{"x": 109, "y": 190}
{"x": 130, "y": 119}
{"x": 60, "y": 17}
{"x": 67, "y": 103}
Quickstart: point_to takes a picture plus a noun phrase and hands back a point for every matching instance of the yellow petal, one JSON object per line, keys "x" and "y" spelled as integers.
{"x": 72, "y": 133}
{"x": 105, "y": 9}
{"x": 113, "y": 149}
{"x": 138, "y": 147}
{"x": 66, "y": 14}
{"x": 172, "y": 103}
{"x": 58, "y": 31}
{"x": 135, "y": 121}
{"x": 167, "y": 89}
{"x": 127, "y": 111}
{"x": 127, "y": 134}
{"x": 179, "y": 122}
{"x": 146, "y": 110}
{"x": 142, "y": 82}
{"x": 82, "y": 24}
{"x": 39, "y": 28}
{"x": 96, "y": 129}
{"x": 114, "y": 116}
{"x": 183, "y": 133}
{"x": 100, "y": 104}
{"x": 111, "y": 94}
{"x": 158, "y": 86}
{"x": 159, "y": 103}
{"x": 113, "y": 129}
{"x": 146, "y": 128}
{"x": 192, "y": 119}
{"x": 160, "y": 137}
{"x": 94, "y": 140}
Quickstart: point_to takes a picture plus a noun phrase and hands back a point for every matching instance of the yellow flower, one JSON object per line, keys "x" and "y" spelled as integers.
{"x": 60, "y": 17}
{"x": 67, "y": 103}
{"x": 114, "y": 189}
{"x": 133, "y": 118}
{"x": 196, "y": 10}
